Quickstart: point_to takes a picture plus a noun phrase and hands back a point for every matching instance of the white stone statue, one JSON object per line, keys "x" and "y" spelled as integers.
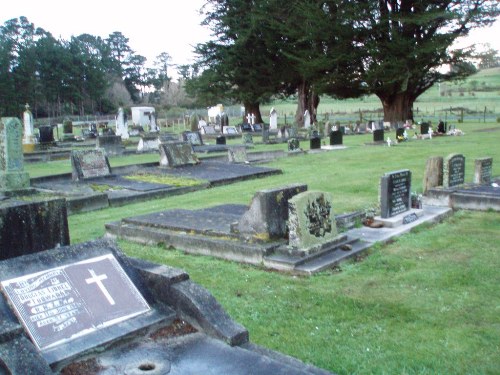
{"x": 28, "y": 126}
{"x": 307, "y": 119}
{"x": 273, "y": 119}
{"x": 122, "y": 124}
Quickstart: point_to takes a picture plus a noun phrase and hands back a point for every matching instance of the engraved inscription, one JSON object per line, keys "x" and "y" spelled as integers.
{"x": 318, "y": 213}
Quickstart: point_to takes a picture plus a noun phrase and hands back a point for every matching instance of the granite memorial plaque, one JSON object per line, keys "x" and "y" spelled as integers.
{"x": 62, "y": 303}
{"x": 176, "y": 154}
{"x": 395, "y": 193}
{"x": 89, "y": 164}
{"x": 336, "y": 138}
{"x": 453, "y": 170}
{"x": 483, "y": 171}
{"x": 315, "y": 143}
{"x": 378, "y": 135}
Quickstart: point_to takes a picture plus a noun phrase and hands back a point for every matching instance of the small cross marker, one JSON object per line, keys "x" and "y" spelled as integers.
{"x": 98, "y": 280}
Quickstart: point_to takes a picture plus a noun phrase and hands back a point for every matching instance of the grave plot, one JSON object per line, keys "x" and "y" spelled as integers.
{"x": 89, "y": 309}
{"x": 444, "y": 184}
{"x": 286, "y": 228}
{"x": 199, "y": 146}
{"x": 92, "y": 184}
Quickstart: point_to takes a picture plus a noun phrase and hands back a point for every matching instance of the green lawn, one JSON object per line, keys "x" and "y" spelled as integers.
{"x": 427, "y": 303}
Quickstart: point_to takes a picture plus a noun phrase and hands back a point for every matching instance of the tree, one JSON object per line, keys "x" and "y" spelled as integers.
{"x": 489, "y": 58}
{"x": 407, "y": 41}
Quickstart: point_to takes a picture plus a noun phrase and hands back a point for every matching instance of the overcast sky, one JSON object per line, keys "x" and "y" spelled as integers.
{"x": 152, "y": 26}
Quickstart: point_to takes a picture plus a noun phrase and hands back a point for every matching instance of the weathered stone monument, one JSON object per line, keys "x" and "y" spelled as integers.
{"x": 111, "y": 144}
{"x": 148, "y": 142}
{"x": 433, "y": 175}
{"x": 307, "y": 119}
{"x": 28, "y": 136}
{"x": 483, "y": 171}
{"x": 89, "y": 164}
{"x": 247, "y": 138}
{"x": 193, "y": 137}
{"x": 122, "y": 124}
{"x": 453, "y": 170}
{"x": 293, "y": 145}
{"x": 237, "y": 154}
{"x": 273, "y": 119}
{"x": 194, "y": 122}
{"x": 12, "y": 174}
{"x": 177, "y": 154}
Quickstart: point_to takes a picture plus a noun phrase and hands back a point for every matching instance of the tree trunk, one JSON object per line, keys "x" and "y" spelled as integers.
{"x": 307, "y": 100}
{"x": 397, "y": 107}
{"x": 253, "y": 108}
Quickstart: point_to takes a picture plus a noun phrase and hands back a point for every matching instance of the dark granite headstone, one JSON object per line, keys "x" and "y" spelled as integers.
{"x": 395, "y": 193}
{"x": 246, "y": 127}
{"x": 28, "y": 227}
{"x": 89, "y": 164}
{"x": 483, "y": 171}
{"x": 424, "y": 128}
{"x": 257, "y": 127}
{"x": 336, "y": 138}
{"x": 293, "y": 144}
{"x": 46, "y": 134}
{"x": 378, "y": 135}
{"x": 441, "y": 127}
{"x": 177, "y": 154}
{"x": 453, "y": 170}
{"x": 400, "y": 133}
{"x": 267, "y": 215}
{"x": 220, "y": 140}
{"x": 192, "y": 137}
{"x": 315, "y": 143}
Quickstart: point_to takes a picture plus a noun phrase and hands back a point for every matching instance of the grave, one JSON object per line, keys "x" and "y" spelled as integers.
{"x": 89, "y": 309}
{"x": 237, "y": 154}
{"x": 315, "y": 143}
{"x": 378, "y": 136}
{"x": 424, "y": 128}
{"x": 122, "y": 124}
{"x": 177, "y": 154}
{"x": 395, "y": 200}
{"x": 257, "y": 127}
{"x": 220, "y": 140}
{"x": 12, "y": 174}
{"x": 294, "y": 145}
{"x": 112, "y": 144}
{"x": 46, "y": 135}
{"x": 230, "y": 131}
{"x": 273, "y": 119}
{"x": 284, "y": 228}
{"x": 247, "y": 139}
{"x": 89, "y": 164}
{"x": 208, "y": 130}
{"x": 68, "y": 131}
{"x": 445, "y": 186}
{"x": 336, "y": 138}
{"x": 148, "y": 142}
{"x": 193, "y": 137}
{"x": 28, "y": 136}
{"x": 245, "y": 127}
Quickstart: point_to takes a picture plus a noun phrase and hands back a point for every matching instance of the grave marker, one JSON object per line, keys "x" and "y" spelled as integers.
{"x": 177, "y": 154}
{"x": 336, "y": 138}
{"x": 237, "y": 154}
{"x": 273, "y": 119}
{"x": 293, "y": 144}
{"x": 395, "y": 193}
{"x": 378, "y": 135}
{"x": 315, "y": 143}
{"x": 453, "y": 170}
{"x": 247, "y": 139}
{"x": 12, "y": 174}
{"x": 433, "y": 175}
{"x": 193, "y": 137}
{"x": 149, "y": 142}
{"x": 89, "y": 164}
{"x": 483, "y": 171}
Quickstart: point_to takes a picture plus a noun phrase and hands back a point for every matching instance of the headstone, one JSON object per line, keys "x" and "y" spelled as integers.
{"x": 265, "y": 135}
{"x": 112, "y": 144}
{"x": 193, "y": 137}
{"x": 307, "y": 119}
{"x": 441, "y": 127}
{"x": 433, "y": 175}
{"x": 177, "y": 154}
{"x": 273, "y": 119}
{"x": 257, "y": 127}
{"x": 12, "y": 174}
{"x": 122, "y": 124}
{"x": 311, "y": 220}
{"x": 208, "y": 130}
{"x": 28, "y": 126}
{"x": 237, "y": 154}
{"x": 246, "y": 127}
{"x": 395, "y": 193}
{"x": 136, "y": 130}
{"x": 400, "y": 134}
{"x": 89, "y": 164}
{"x": 424, "y": 128}
{"x": 483, "y": 171}
{"x": 68, "y": 130}
{"x": 220, "y": 140}
{"x": 153, "y": 126}
{"x": 293, "y": 144}
{"x": 150, "y": 142}
{"x": 336, "y": 138}
{"x": 292, "y": 132}
{"x": 46, "y": 134}
{"x": 378, "y": 135}
{"x": 315, "y": 143}
{"x": 224, "y": 120}
{"x": 453, "y": 170}
{"x": 283, "y": 133}
{"x": 230, "y": 130}
{"x": 247, "y": 139}
{"x": 267, "y": 215}
{"x": 194, "y": 122}
{"x": 30, "y": 226}
{"x": 202, "y": 123}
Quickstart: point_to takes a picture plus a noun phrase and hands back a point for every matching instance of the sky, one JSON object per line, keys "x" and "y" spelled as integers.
{"x": 153, "y": 27}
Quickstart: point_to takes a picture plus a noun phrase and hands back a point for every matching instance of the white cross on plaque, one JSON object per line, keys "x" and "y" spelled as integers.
{"x": 98, "y": 280}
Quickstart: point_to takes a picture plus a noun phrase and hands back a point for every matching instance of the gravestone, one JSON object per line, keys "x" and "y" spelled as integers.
{"x": 208, "y": 130}
{"x": 46, "y": 135}
{"x": 122, "y": 124}
{"x": 453, "y": 170}
{"x": 68, "y": 130}
{"x": 246, "y": 127}
{"x": 273, "y": 119}
{"x": 441, "y": 127}
{"x": 237, "y": 154}
{"x": 265, "y": 134}
{"x": 424, "y": 128}
{"x": 220, "y": 140}
{"x": 166, "y": 137}
{"x": 150, "y": 142}
{"x": 400, "y": 134}
{"x": 311, "y": 220}
{"x": 177, "y": 154}
{"x": 257, "y": 127}
{"x": 292, "y": 132}
{"x": 112, "y": 144}
{"x": 89, "y": 164}
{"x": 483, "y": 171}
{"x": 336, "y": 138}
{"x": 267, "y": 216}
{"x": 247, "y": 139}
{"x": 284, "y": 133}
{"x": 194, "y": 122}
{"x": 193, "y": 137}
{"x": 230, "y": 130}
{"x": 433, "y": 175}
{"x": 30, "y": 226}
{"x": 293, "y": 144}
{"x": 395, "y": 193}
{"x": 307, "y": 119}
{"x": 378, "y": 135}
{"x": 12, "y": 174}
{"x": 315, "y": 143}
{"x": 136, "y": 130}
{"x": 28, "y": 137}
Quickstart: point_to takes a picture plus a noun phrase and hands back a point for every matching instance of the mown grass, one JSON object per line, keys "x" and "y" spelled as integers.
{"x": 427, "y": 303}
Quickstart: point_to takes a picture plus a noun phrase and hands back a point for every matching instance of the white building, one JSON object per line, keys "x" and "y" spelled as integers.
{"x": 143, "y": 116}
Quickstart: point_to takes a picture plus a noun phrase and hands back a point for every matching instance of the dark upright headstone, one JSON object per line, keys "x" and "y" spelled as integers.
{"x": 220, "y": 140}
{"x": 395, "y": 193}
{"x": 336, "y": 137}
{"x": 424, "y": 128}
{"x": 400, "y": 133}
{"x": 483, "y": 171}
{"x": 46, "y": 134}
{"x": 378, "y": 135}
{"x": 453, "y": 170}
{"x": 441, "y": 127}
{"x": 315, "y": 143}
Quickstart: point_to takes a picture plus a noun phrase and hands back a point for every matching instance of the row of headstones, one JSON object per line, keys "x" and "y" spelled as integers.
{"x": 450, "y": 171}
